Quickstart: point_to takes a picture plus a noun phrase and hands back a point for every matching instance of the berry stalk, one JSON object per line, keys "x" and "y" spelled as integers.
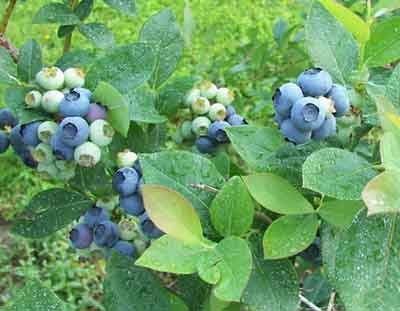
{"x": 6, "y": 16}
{"x": 68, "y": 38}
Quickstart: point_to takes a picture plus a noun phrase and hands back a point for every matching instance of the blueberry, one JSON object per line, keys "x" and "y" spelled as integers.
{"x": 46, "y": 130}
{"x": 236, "y": 120}
{"x": 292, "y": 134}
{"x": 225, "y": 96}
{"x": 74, "y": 104}
{"x": 106, "y": 234}
{"x": 230, "y": 110}
{"x": 82, "y": 91}
{"x": 149, "y": 228}
{"x": 308, "y": 114}
{"x": 217, "y": 132}
{"x": 88, "y": 154}
{"x": 186, "y": 130}
{"x": 50, "y": 78}
{"x": 205, "y": 144}
{"x": 4, "y": 142}
{"x": 125, "y": 248}
{"x": 285, "y": 97}
{"x": 201, "y": 106}
{"x": 101, "y": 133}
{"x": 33, "y": 99}
{"x": 217, "y": 112}
{"x": 43, "y": 154}
{"x": 341, "y": 100}
{"x": 74, "y": 131}
{"x": 74, "y": 77}
{"x": 327, "y": 129}
{"x": 29, "y": 133}
{"x": 96, "y": 112}
{"x": 208, "y": 89}
{"x": 315, "y": 82}
{"x": 192, "y": 97}
{"x": 27, "y": 158}
{"x": 94, "y": 216}
{"x": 7, "y": 119}
{"x": 51, "y": 101}
{"x": 126, "y": 158}
{"x": 200, "y": 125}
{"x": 132, "y": 205}
{"x": 279, "y": 119}
{"x": 60, "y": 149}
{"x": 313, "y": 252}
{"x": 81, "y": 236}
{"x": 16, "y": 139}
{"x": 125, "y": 181}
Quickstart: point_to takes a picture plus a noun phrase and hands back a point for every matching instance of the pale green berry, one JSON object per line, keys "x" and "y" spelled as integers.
{"x": 128, "y": 229}
{"x": 74, "y": 77}
{"x": 50, "y": 78}
{"x": 108, "y": 203}
{"x": 200, "y": 125}
{"x": 66, "y": 168}
{"x": 126, "y": 158}
{"x": 43, "y": 153}
{"x": 141, "y": 245}
{"x": 225, "y": 96}
{"x": 87, "y": 155}
{"x": 51, "y": 101}
{"x": 48, "y": 170}
{"x": 46, "y": 130}
{"x": 33, "y": 99}
{"x": 217, "y": 112}
{"x": 201, "y": 106}
{"x": 186, "y": 130}
{"x": 191, "y": 97}
{"x": 101, "y": 133}
{"x": 208, "y": 89}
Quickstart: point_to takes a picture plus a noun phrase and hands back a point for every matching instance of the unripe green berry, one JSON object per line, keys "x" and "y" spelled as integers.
{"x": 186, "y": 130}
{"x": 74, "y": 77}
{"x": 191, "y": 97}
{"x": 126, "y": 158}
{"x": 46, "y": 130}
{"x": 51, "y": 101}
{"x": 101, "y": 133}
{"x": 50, "y": 78}
{"x": 87, "y": 155}
{"x": 225, "y": 96}
{"x": 201, "y": 106}
{"x": 208, "y": 89}
{"x": 48, "y": 170}
{"x": 128, "y": 229}
{"x": 141, "y": 245}
{"x": 33, "y": 99}
{"x": 200, "y": 125}
{"x": 108, "y": 203}
{"x": 66, "y": 169}
{"x": 217, "y": 112}
{"x": 43, "y": 153}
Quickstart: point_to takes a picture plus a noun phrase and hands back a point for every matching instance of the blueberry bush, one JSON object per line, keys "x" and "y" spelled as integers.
{"x": 192, "y": 200}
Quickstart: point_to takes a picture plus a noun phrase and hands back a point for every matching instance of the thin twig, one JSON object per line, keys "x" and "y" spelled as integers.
{"x": 264, "y": 218}
{"x": 6, "y": 16}
{"x": 4, "y": 42}
{"x": 331, "y": 304}
{"x": 309, "y": 303}
{"x": 68, "y": 38}
{"x": 204, "y": 187}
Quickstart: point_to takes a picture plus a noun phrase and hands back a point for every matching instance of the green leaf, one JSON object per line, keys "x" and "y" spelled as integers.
{"x": 393, "y": 88}
{"x": 289, "y": 235}
{"x": 381, "y": 194}
{"x": 316, "y": 288}
{"x": 127, "y": 7}
{"x": 353, "y": 23}
{"x": 95, "y": 180}
{"x": 390, "y": 151}
{"x": 14, "y": 98}
{"x": 192, "y": 290}
{"x": 84, "y": 9}
{"x": 179, "y": 170}
{"x": 76, "y": 58}
{"x": 330, "y": 46}
{"x": 125, "y": 68}
{"x": 56, "y": 13}
{"x": 277, "y": 194}
{"x": 128, "y": 287}
{"x": 337, "y": 173}
{"x": 29, "y": 61}
{"x": 50, "y": 211}
{"x": 232, "y": 210}
{"x": 255, "y": 144}
{"x": 385, "y": 6}
{"x": 340, "y": 213}
{"x": 172, "y": 213}
{"x": 273, "y": 284}
{"x": 65, "y": 30}
{"x": 367, "y": 264}
{"x": 36, "y": 297}
{"x": 142, "y": 106}
{"x": 118, "y": 109}
{"x": 223, "y": 163}
{"x": 168, "y": 254}
{"x": 98, "y": 34}
{"x": 384, "y": 44}
{"x": 162, "y": 32}
{"x": 8, "y": 70}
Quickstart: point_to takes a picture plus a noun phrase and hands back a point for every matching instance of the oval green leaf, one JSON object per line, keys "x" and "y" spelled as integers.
{"x": 340, "y": 213}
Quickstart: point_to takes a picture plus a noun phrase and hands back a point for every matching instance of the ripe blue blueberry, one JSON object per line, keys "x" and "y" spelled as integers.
{"x": 60, "y": 149}
{"x": 285, "y": 97}
{"x": 27, "y": 158}
{"x": 292, "y": 134}
{"x": 74, "y": 131}
{"x": 4, "y": 142}
{"x": 341, "y": 100}
{"x": 149, "y": 228}
{"x": 125, "y": 249}
{"x": 29, "y": 133}
{"x": 236, "y": 120}
{"x": 327, "y": 129}
{"x": 205, "y": 144}
{"x": 16, "y": 139}
{"x": 7, "y": 119}
{"x": 125, "y": 181}
{"x": 132, "y": 204}
{"x": 217, "y": 132}
{"x": 106, "y": 234}
{"x": 96, "y": 112}
{"x": 230, "y": 110}
{"x": 81, "y": 236}
{"x": 83, "y": 91}
{"x": 315, "y": 82}
{"x": 308, "y": 114}
{"x": 74, "y": 104}
{"x": 94, "y": 216}
{"x": 87, "y": 155}
{"x": 279, "y": 119}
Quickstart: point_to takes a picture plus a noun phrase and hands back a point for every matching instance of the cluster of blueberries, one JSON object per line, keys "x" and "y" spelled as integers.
{"x": 308, "y": 109}
{"x": 211, "y": 113}
{"x": 76, "y": 133}
{"x": 96, "y": 225}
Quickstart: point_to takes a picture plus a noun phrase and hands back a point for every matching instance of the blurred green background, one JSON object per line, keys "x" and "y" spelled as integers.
{"x": 249, "y": 45}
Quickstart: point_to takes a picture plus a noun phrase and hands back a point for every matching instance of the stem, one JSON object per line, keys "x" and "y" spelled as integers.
{"x": 331, "y": 304}
{"x": 369, "y": 12}
{"x": 262, "y": 217}
{"x": 309, "y": 303}
{"x": 4, "y": 42}
{"x": 204, "y": 187}
{"x": 7, "y": 15}
{"x": 68, "y": 38}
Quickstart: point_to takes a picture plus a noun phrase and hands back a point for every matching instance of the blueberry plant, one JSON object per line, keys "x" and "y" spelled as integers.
{"x": 301, "y": 215}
